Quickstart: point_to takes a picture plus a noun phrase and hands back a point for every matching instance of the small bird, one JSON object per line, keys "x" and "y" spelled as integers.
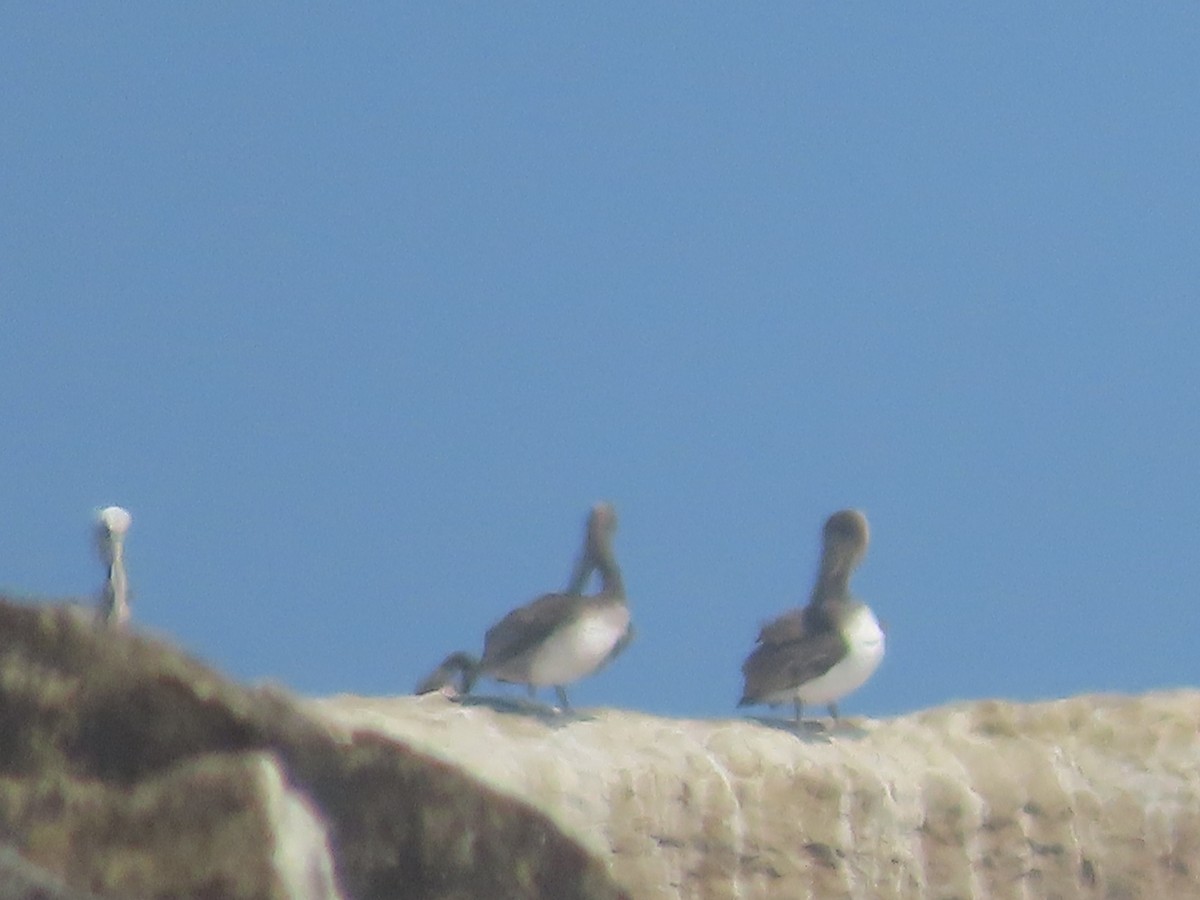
{"x": 557, "y": 638}
{"x": 112, "y": 523}
{"x": 827, "y": 649}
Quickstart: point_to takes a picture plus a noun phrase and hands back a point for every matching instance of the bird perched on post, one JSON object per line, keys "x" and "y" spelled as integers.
{"x": 827, "y": 649}
{"x": 112, "y": 523}
{"x": 557, "y": 638}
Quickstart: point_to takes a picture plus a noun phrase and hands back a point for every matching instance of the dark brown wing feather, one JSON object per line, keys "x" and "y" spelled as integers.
{"x": 526, "y": 627}
{"x": 788, "y": 627}
{"x": 797, "y": 647}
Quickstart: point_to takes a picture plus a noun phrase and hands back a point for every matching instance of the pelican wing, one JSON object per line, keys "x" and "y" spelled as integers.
{"x": 525, "y": 628}
{"x": 788, "y": 627}
{"x": 795, "y": 648}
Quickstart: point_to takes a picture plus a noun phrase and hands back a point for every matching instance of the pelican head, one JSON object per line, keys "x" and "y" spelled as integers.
{"x": 847, "y": 528}
{"x": 602, "y": 525}
{"x": 112, "y": 523}
{"x": 116, "y": 519}
{"x": 845, "y": 539}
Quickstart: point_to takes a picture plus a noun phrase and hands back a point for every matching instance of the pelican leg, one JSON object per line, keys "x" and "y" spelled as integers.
{"x": 563, "y": 703}
{"x": 833, "y": 712}
{"x": 799, "y": 713}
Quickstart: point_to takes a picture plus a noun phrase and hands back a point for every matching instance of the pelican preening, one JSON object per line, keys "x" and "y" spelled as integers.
{"x": 827, "y": 649}
{"x": 112, "y": 523}
{"x": 558, "y": 638}
{"x": 453, "y": 677}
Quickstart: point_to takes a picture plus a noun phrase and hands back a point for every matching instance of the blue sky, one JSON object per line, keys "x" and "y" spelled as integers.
{"x": 359, "y": 310}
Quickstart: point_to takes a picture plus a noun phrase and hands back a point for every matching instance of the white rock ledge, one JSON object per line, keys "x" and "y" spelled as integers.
{"x": 1091, "y": 796}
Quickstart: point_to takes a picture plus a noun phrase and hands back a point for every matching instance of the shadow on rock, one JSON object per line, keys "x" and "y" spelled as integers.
{"x": 531, "y": 709}
{"x": 810, "y": 731}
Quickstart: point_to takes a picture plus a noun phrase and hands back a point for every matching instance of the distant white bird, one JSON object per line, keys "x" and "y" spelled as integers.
{"x": 112, "y": 523}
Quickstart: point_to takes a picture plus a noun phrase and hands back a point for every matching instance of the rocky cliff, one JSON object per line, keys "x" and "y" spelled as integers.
{"x": 129, "y": 770}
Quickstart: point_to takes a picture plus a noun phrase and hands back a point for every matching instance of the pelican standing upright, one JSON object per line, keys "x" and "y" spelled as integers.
{"x": 112, "y": 523}
{"x": 827, "y": 649}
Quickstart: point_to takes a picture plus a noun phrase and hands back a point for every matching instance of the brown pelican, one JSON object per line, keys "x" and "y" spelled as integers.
{"x": 112, "y": 523}
{"x": 825, "y": 650}
{"x": 557, "y": 638}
